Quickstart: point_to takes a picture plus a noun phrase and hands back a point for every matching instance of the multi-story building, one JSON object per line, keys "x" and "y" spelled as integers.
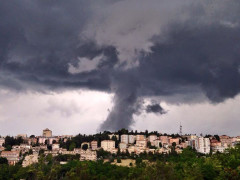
{"x": 47, "y": 133}
{"x": 12, "y": 156}
{"x": 141, "y": 144}
{"x": 140, "y": 137}
{"x": 164, "y": 139}
{"x": 122, "y": 146}
{"x": 131, "y": 149}
{"x": 226, "y": 141}
{"x": 108, "y": 145}
{"x": 172, "y": 140}
{"x": 131, "y": 139}
{"x": 214, "y": 143}
{"x": 88, "y": 155}
{"x": 94, "y": 145}
{"x": 152, "y": 138}
{"x": 203, "y": 145}
{"x": 124, "y": 138}
{"x": 157, "y": 143}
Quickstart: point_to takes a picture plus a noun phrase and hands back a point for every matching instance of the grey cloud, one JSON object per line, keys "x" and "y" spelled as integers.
{"x": 195, "y": 50}
{"x": 155, "y": 108}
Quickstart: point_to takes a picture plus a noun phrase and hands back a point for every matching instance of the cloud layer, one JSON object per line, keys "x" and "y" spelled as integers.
{"x": 131, "y": 48}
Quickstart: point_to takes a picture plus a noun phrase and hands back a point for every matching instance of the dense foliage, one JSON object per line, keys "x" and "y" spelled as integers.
{"x": 188, "y": 165}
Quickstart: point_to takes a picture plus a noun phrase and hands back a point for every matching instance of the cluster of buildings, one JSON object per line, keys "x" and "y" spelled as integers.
{"x": 124, "y": 143}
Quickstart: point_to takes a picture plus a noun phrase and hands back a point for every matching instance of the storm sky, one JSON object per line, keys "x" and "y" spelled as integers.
{"x": 89, "y": 66}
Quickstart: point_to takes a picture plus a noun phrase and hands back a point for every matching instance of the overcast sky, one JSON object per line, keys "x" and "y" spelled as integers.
{"x": 88, "y": 66}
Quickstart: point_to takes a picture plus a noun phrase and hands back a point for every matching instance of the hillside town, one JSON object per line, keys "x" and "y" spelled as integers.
{"x": 26, "y": 149}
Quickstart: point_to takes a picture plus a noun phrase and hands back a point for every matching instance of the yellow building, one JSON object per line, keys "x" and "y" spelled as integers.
{"x": 47, "y": 133}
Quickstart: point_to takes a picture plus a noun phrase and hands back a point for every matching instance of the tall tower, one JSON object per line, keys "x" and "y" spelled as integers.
{"x": 180, "y": 129}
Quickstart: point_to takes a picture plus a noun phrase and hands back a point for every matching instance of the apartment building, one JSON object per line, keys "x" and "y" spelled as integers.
{"x": 140, "y": 137}
{"x": 131, "y": 139}
{"x": 124, "y": 138}
{"x": 12, "y": 156}
{"x": 108, "y": 145}
{"x": 94, "y": 145}
{"x": 88, "y": 155}
{"x": 203, "y": 145}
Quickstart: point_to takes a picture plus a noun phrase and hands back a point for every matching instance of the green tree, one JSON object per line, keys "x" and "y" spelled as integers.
{"x": 119, "y": 160}
{"x": 3, "y": 160}
{"x": 72, "y": 146}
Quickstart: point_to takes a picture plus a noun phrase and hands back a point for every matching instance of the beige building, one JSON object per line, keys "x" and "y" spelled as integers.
{"x": 108, "y": 145}
{"x": 164, "y": 139}
{"x": 47, "y": 133}
{"x": 124, "y": 138}
{"x": 141, "y": 144}
{"x": 152, "y": 138}
{"x": 12, "y": 156}
{"x": 172, "y": 140}
{"x": 131, "y": 149}
{"x": 131, "y": 139}
{"x": 140, "y": 137}
{"x": 94, "y": 145}
{"x": 88, "y": 155}
{"x": 226, "y": 141}
{"x": 122, "y": 147}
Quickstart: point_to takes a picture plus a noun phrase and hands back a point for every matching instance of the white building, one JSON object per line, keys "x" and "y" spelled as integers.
{"x": 108, "y": 145}
{"x": 202, "y": 145}
{"x": 124, "y": 138}
{"x": 131, "y": 139}
{"x": 94, "y": 145}
{"x": 152, "y": 138}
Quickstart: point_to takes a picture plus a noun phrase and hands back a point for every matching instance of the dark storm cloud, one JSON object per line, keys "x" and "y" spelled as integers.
{"x": 207, "y": 57}
{"x": 39, "y": 39}
{"x": 155, "y": 108}
{"x": 199, "y": 50}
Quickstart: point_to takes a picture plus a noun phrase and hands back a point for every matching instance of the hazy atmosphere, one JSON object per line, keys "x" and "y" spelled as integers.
{"x": 89, "y": 66}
